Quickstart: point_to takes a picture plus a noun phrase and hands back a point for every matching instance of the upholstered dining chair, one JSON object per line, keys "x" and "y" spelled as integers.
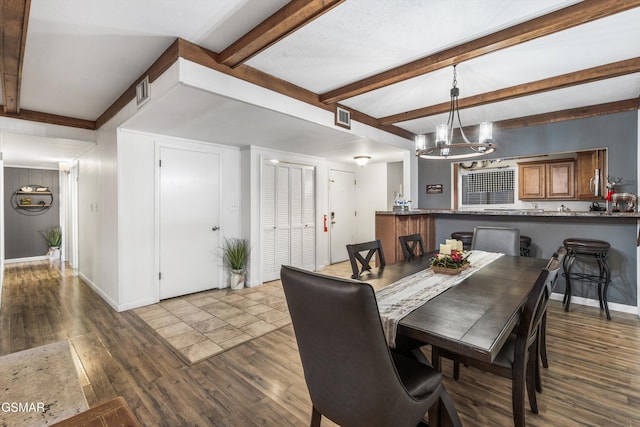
{"x": 411, "y": 245}
{"x": 353, "y": 378}
{"x": 518, "y": 358}
{"x": 497, "y": 239}
{"x": 360, "y": 263}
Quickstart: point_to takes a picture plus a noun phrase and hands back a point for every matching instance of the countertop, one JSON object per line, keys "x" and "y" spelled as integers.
{"x": 515, "y": 212}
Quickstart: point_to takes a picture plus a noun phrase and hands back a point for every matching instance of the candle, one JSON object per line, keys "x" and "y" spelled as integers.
{"x": 453, "y": 243}
{"x": 459, "y": 245}
{"x": 445, "y": 249}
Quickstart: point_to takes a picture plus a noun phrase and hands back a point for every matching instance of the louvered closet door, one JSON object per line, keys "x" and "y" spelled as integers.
{"x": 288, "y": 206}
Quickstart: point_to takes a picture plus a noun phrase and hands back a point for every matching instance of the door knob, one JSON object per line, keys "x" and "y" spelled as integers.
{"x": 216, "y": 228}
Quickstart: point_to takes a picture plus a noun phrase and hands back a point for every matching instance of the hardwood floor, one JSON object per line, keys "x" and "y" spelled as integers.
{"x": 593, "y": 378}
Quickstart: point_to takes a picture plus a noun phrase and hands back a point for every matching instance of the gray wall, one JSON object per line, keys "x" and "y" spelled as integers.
{"x": 22, "y": 232}
{"x": 617, "y": 132}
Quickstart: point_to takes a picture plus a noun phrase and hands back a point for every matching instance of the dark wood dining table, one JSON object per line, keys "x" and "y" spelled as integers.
{"x": 473, "y": 318}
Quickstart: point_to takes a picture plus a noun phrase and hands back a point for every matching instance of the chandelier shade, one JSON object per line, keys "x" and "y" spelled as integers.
{"x": 444, "y": 147}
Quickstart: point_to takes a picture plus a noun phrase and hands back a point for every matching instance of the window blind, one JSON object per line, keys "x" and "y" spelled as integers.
{"x": 488, "y": 187}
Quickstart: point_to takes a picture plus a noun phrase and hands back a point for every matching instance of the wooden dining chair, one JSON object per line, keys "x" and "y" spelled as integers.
{"x": 353, "y": 378}
{"x": 411, "y": 245}
{"x": 551, "y": 284}
{"x": 497, "y": 239}
{"x": 360, "y": 263}
{"x": 518, "y": 358}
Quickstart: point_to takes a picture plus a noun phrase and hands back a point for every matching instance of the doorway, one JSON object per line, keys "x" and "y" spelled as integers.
{"x": 189, "y": 218}
{"x": 342, "y": 216}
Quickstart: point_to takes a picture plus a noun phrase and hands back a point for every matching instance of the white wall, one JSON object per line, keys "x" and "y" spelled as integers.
{"x": 371, "y": 196}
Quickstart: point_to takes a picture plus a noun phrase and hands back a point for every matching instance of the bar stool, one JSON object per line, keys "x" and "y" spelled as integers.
{"x": 585, "y": 249}
{"x": 525, "y": 245}
{"x": 466, "y": 237}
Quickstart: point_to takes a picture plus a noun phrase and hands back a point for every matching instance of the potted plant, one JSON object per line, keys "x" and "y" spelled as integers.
{"x": 53, "y": 237}
{"x": 236, "y": 255}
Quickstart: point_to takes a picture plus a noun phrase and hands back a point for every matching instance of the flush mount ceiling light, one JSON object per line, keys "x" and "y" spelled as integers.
{"x": 444, "y": 147}
{"x": 362, "y": 160}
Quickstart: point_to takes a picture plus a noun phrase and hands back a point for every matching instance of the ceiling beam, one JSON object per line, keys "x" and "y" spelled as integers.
{"x": 607, "y": 71}
{"x": 571, "y": 16}
{"x": 53, "y": 119}
{"x": 570, "y": 114}
{"x": 14, "y": 18}
{"x": 291, "y": 17}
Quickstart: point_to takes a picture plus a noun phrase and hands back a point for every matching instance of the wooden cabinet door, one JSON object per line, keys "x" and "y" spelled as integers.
{"x": 561, "y": 180}
{"x": 531, "y": 181}
{"x": 586, "y": 164}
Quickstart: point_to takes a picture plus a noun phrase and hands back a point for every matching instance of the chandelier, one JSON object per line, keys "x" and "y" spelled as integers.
{"x": 444, "y": 147}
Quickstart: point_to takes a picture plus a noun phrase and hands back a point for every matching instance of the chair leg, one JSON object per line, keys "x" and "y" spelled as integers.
{"x": 532, "y": 373}
{"x": 316, "y": 417}
{"x": 448, "y": 409}
{"x": 543, "y": 340}
{"x": 456, "y": 370}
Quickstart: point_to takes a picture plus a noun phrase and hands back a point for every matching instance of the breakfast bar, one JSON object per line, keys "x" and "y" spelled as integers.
{"x": 547, "y": 230}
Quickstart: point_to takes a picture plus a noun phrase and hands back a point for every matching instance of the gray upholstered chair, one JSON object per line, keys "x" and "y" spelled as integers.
{"x": 497, "y": 239}
{"x": 353, "y": 378}
{"x": 518, "y": 358}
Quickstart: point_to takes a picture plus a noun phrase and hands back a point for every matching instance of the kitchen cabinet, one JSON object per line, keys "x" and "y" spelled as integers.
{"x": 547, "y": 180}
{"x": 586, "y": 164}
{"x": 390, "y": 226}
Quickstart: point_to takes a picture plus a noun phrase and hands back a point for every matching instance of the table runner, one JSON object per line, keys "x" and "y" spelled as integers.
{"x": 402, "y": 297}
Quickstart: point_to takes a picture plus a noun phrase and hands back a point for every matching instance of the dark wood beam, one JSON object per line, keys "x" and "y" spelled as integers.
{"x": 570, "y": 114}
{"x": 577, "y": 14}
{"x": 291, "y": 17}
{"x": 14, "y": 18}
{"x": 53, "y": 119}
{"x": 607, "y": 71}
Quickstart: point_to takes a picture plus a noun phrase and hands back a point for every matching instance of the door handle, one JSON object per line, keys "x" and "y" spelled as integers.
{"x": 215, "y": 228}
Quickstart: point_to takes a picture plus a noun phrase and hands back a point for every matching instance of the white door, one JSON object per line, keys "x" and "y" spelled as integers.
{"x": 189, "y": 221}
{"x": 342, "y": 213}
{"x": 302, "y": 217}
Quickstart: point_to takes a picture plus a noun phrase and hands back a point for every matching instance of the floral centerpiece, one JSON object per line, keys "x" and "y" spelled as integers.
{"x": 451, "y": 263}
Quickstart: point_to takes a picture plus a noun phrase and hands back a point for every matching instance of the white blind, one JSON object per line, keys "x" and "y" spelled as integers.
{"x": 488, "y": 187}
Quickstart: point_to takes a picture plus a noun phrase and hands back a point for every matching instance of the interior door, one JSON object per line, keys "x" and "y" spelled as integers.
{"x": 342, "y": 215}
{"x": 189, "y": 221}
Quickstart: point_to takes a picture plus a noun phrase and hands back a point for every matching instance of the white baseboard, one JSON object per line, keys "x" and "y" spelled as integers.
{"x": 26, "y": 259}
{"x": 99, "y": 291}
{"x": 595, "y": 303}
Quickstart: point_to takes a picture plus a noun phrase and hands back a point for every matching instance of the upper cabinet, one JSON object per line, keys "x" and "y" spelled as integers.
{"x": 589, "y": 164}
{"x": 552, "y": 179}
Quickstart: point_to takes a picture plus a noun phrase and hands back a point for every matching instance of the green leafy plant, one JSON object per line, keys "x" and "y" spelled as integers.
{"x": 53, "y": 236}
{"x": 236, "y": 253}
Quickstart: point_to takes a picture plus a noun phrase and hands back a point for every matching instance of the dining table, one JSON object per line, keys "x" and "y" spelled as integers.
{"x": 473, "y": 318}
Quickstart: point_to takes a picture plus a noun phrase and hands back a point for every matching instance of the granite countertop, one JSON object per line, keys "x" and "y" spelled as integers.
{"x": 516, "y": 212}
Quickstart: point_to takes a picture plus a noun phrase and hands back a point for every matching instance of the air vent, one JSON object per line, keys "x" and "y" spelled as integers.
{"x": 142, "y": 92}
{"x": 343, "y": 117}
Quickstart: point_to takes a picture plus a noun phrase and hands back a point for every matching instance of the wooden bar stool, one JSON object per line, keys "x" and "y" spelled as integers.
{"x": 525, "y": 245}
{"x": 466, "y": 237}
{"x": 587, "y": 250}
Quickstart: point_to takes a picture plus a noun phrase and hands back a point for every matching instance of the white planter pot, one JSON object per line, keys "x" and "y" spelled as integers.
{"x": 54, "y": 254}
{"x": 237, "y": 279}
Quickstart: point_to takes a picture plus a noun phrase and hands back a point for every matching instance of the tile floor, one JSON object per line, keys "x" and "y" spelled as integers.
{"x": 201, "y": 325}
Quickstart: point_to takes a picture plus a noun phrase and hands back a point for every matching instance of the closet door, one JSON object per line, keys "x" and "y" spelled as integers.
{"x": 288, "y": 212}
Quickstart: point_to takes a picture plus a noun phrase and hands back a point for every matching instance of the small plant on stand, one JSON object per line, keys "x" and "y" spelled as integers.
{"x": 236, "y": 255}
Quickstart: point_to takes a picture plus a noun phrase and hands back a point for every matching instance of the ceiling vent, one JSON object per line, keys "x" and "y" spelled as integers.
{"x": 343, "y": 117}
{"x": 142, "y": 92}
